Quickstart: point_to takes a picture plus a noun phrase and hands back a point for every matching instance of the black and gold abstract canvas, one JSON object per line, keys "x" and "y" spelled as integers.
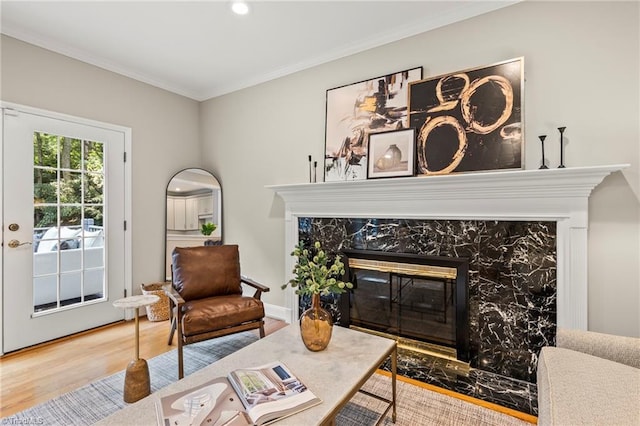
{"x": 469, "y": 120}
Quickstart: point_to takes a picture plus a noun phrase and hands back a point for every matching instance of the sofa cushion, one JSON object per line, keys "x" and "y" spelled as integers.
{"x": 49, "y": 241}
{"x": 576, "y": 388}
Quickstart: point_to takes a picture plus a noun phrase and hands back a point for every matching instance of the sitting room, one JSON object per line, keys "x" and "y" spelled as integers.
{"x": 460, "y": 161}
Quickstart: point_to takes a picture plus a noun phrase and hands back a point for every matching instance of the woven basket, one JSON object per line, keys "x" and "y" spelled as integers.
{"x": 159, "y": 311}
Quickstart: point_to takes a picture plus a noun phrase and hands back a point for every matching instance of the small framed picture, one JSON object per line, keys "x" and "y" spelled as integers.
{"x": 391, "y": 154}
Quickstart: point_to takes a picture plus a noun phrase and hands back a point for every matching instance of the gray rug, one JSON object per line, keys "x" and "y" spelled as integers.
{"x": 416, "y": 406}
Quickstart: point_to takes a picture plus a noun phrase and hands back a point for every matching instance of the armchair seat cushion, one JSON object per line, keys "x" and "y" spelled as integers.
{"x": 202, "y": 316}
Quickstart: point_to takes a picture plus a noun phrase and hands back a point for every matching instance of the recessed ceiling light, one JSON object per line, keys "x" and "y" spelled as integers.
{"x": 240, "y": 7}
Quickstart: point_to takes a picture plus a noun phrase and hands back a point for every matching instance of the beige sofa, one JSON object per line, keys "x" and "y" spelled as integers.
{"x": 589, "y": 379}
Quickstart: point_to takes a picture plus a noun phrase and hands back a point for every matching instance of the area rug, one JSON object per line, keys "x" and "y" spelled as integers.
{"x": 415, "y": 405}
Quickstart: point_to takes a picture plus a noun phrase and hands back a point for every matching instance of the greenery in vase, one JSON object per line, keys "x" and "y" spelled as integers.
{"x": 208, "y": 228}
{"x": 315, "y": 273}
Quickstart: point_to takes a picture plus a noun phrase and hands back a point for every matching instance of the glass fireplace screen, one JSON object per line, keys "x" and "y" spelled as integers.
{"x": 409, "y": 300}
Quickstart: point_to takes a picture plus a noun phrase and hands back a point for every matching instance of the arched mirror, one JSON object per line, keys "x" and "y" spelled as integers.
{"x": 194, "y": 207}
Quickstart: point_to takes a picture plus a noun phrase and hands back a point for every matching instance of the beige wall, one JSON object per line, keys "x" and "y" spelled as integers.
{"x": 581, "y": 71}
{"x": 164, "y": 131}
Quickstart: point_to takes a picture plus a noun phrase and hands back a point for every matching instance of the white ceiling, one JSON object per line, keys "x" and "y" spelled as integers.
{"x": 200, "y": 49}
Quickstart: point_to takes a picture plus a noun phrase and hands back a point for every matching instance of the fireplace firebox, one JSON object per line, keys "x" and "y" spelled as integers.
{"x": 412, "y": 296}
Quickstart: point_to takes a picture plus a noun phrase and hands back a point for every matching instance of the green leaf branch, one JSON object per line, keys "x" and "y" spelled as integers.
{"x": 315, "y": 273}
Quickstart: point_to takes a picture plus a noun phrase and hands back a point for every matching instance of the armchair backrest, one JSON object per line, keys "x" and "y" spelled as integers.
{"x": 206, "y": 271}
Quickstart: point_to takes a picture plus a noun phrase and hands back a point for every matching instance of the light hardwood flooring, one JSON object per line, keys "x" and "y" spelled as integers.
{"x": 37, "y": 374}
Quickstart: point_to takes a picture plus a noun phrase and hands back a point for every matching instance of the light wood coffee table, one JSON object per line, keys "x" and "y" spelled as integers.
{"x": 335, "y": 375}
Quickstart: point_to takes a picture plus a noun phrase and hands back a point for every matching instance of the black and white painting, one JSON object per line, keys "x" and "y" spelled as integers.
{"x": 357, "y": 110}
{"x": 469, "y": 120}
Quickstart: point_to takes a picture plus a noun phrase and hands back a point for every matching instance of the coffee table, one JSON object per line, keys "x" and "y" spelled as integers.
{"x": 335, "y": 375}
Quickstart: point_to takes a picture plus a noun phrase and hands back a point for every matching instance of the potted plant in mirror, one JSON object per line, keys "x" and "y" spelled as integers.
{"x": 315, "y": 275}
{"x": 207, "y": 229}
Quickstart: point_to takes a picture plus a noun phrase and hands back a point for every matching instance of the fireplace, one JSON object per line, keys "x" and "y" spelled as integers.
{"x": 458, "y": 216}
{"x": 510, "y": 266}
{"x": 415, "y": 297}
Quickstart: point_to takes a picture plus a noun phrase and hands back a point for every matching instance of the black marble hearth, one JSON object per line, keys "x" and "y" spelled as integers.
{"x": 512, "y": 293}
{"x": 519, "y": 395}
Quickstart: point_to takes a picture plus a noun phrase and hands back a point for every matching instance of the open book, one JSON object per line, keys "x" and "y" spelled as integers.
{"x": 271, "y": 392}
{"x": 213, "y": 403}
{"x": 251, "y": 396}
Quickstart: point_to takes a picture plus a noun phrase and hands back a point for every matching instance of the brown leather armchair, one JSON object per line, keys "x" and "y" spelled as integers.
{"x": 206, "y": 296}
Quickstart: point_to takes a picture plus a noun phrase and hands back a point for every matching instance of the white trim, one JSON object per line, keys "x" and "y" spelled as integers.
{"x": 561, "y": 195}
{"x": 277, "y": 312}
{"x": 2, "y": 232}
{"x": 128, "y": 214}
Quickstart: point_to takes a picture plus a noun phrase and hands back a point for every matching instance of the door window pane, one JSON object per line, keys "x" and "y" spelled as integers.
{"x": 45, "y": 294}
{"x": 45, "y": 150}
{"x": 45, "y": 186}
{"x": 69, "y": 236}
{"x": 70, "y": 187}
{"x": 70, "y": 290}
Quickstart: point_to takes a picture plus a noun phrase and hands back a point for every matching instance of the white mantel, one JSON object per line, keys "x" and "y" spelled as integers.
{"x": 559, "y": 195}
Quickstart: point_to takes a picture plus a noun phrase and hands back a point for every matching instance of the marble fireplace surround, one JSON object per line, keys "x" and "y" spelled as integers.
{"x": 559, "y": 195}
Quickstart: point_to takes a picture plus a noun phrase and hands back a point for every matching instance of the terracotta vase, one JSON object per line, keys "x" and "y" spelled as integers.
{"x": 316, "y": 326}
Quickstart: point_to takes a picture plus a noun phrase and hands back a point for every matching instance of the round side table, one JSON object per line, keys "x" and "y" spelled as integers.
{"x": 137, "y": 384}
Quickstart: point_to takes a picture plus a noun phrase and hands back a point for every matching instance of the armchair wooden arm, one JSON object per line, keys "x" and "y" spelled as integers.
{"x": 260, "y": 288}
{"x": 175, "y": 303}
{"x": 174, "y": 295}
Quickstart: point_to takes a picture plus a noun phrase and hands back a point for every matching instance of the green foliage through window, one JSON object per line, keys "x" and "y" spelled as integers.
{"x": 68, "y": 173}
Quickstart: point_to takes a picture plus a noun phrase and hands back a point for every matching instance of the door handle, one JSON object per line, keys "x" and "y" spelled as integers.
{"x": 16, "y": 243}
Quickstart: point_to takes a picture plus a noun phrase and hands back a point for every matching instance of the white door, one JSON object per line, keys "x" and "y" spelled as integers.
{"x": 63, "y": 227}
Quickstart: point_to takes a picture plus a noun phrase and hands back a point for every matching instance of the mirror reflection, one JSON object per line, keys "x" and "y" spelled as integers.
{"x": 194, "y": 212}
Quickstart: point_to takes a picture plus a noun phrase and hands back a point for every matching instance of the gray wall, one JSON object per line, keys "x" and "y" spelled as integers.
{"x": 165, "y": 131}
{"x": 581, "y": 71}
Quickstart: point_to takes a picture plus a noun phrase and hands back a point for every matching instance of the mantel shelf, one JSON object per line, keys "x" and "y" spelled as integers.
{"x": 567, "y": 182}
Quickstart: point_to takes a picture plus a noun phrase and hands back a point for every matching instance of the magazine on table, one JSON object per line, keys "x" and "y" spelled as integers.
{"x": 249, "y": 396}
{"x": 271, "y": 392}
{"x": 213, "y": 403}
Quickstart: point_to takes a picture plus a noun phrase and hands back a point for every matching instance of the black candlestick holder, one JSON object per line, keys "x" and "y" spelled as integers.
{"x": 561, "y": 130}
{"x": 542, "y": 138}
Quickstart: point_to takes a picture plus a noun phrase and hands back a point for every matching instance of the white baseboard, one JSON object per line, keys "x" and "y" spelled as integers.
{"x": 277, "y": 312}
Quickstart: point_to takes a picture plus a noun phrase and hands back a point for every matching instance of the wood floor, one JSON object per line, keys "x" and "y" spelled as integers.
{"x": 35, "y": 375}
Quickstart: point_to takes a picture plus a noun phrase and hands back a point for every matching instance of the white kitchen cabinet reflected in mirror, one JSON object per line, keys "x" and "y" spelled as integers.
{"x": 194, "y": 199}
